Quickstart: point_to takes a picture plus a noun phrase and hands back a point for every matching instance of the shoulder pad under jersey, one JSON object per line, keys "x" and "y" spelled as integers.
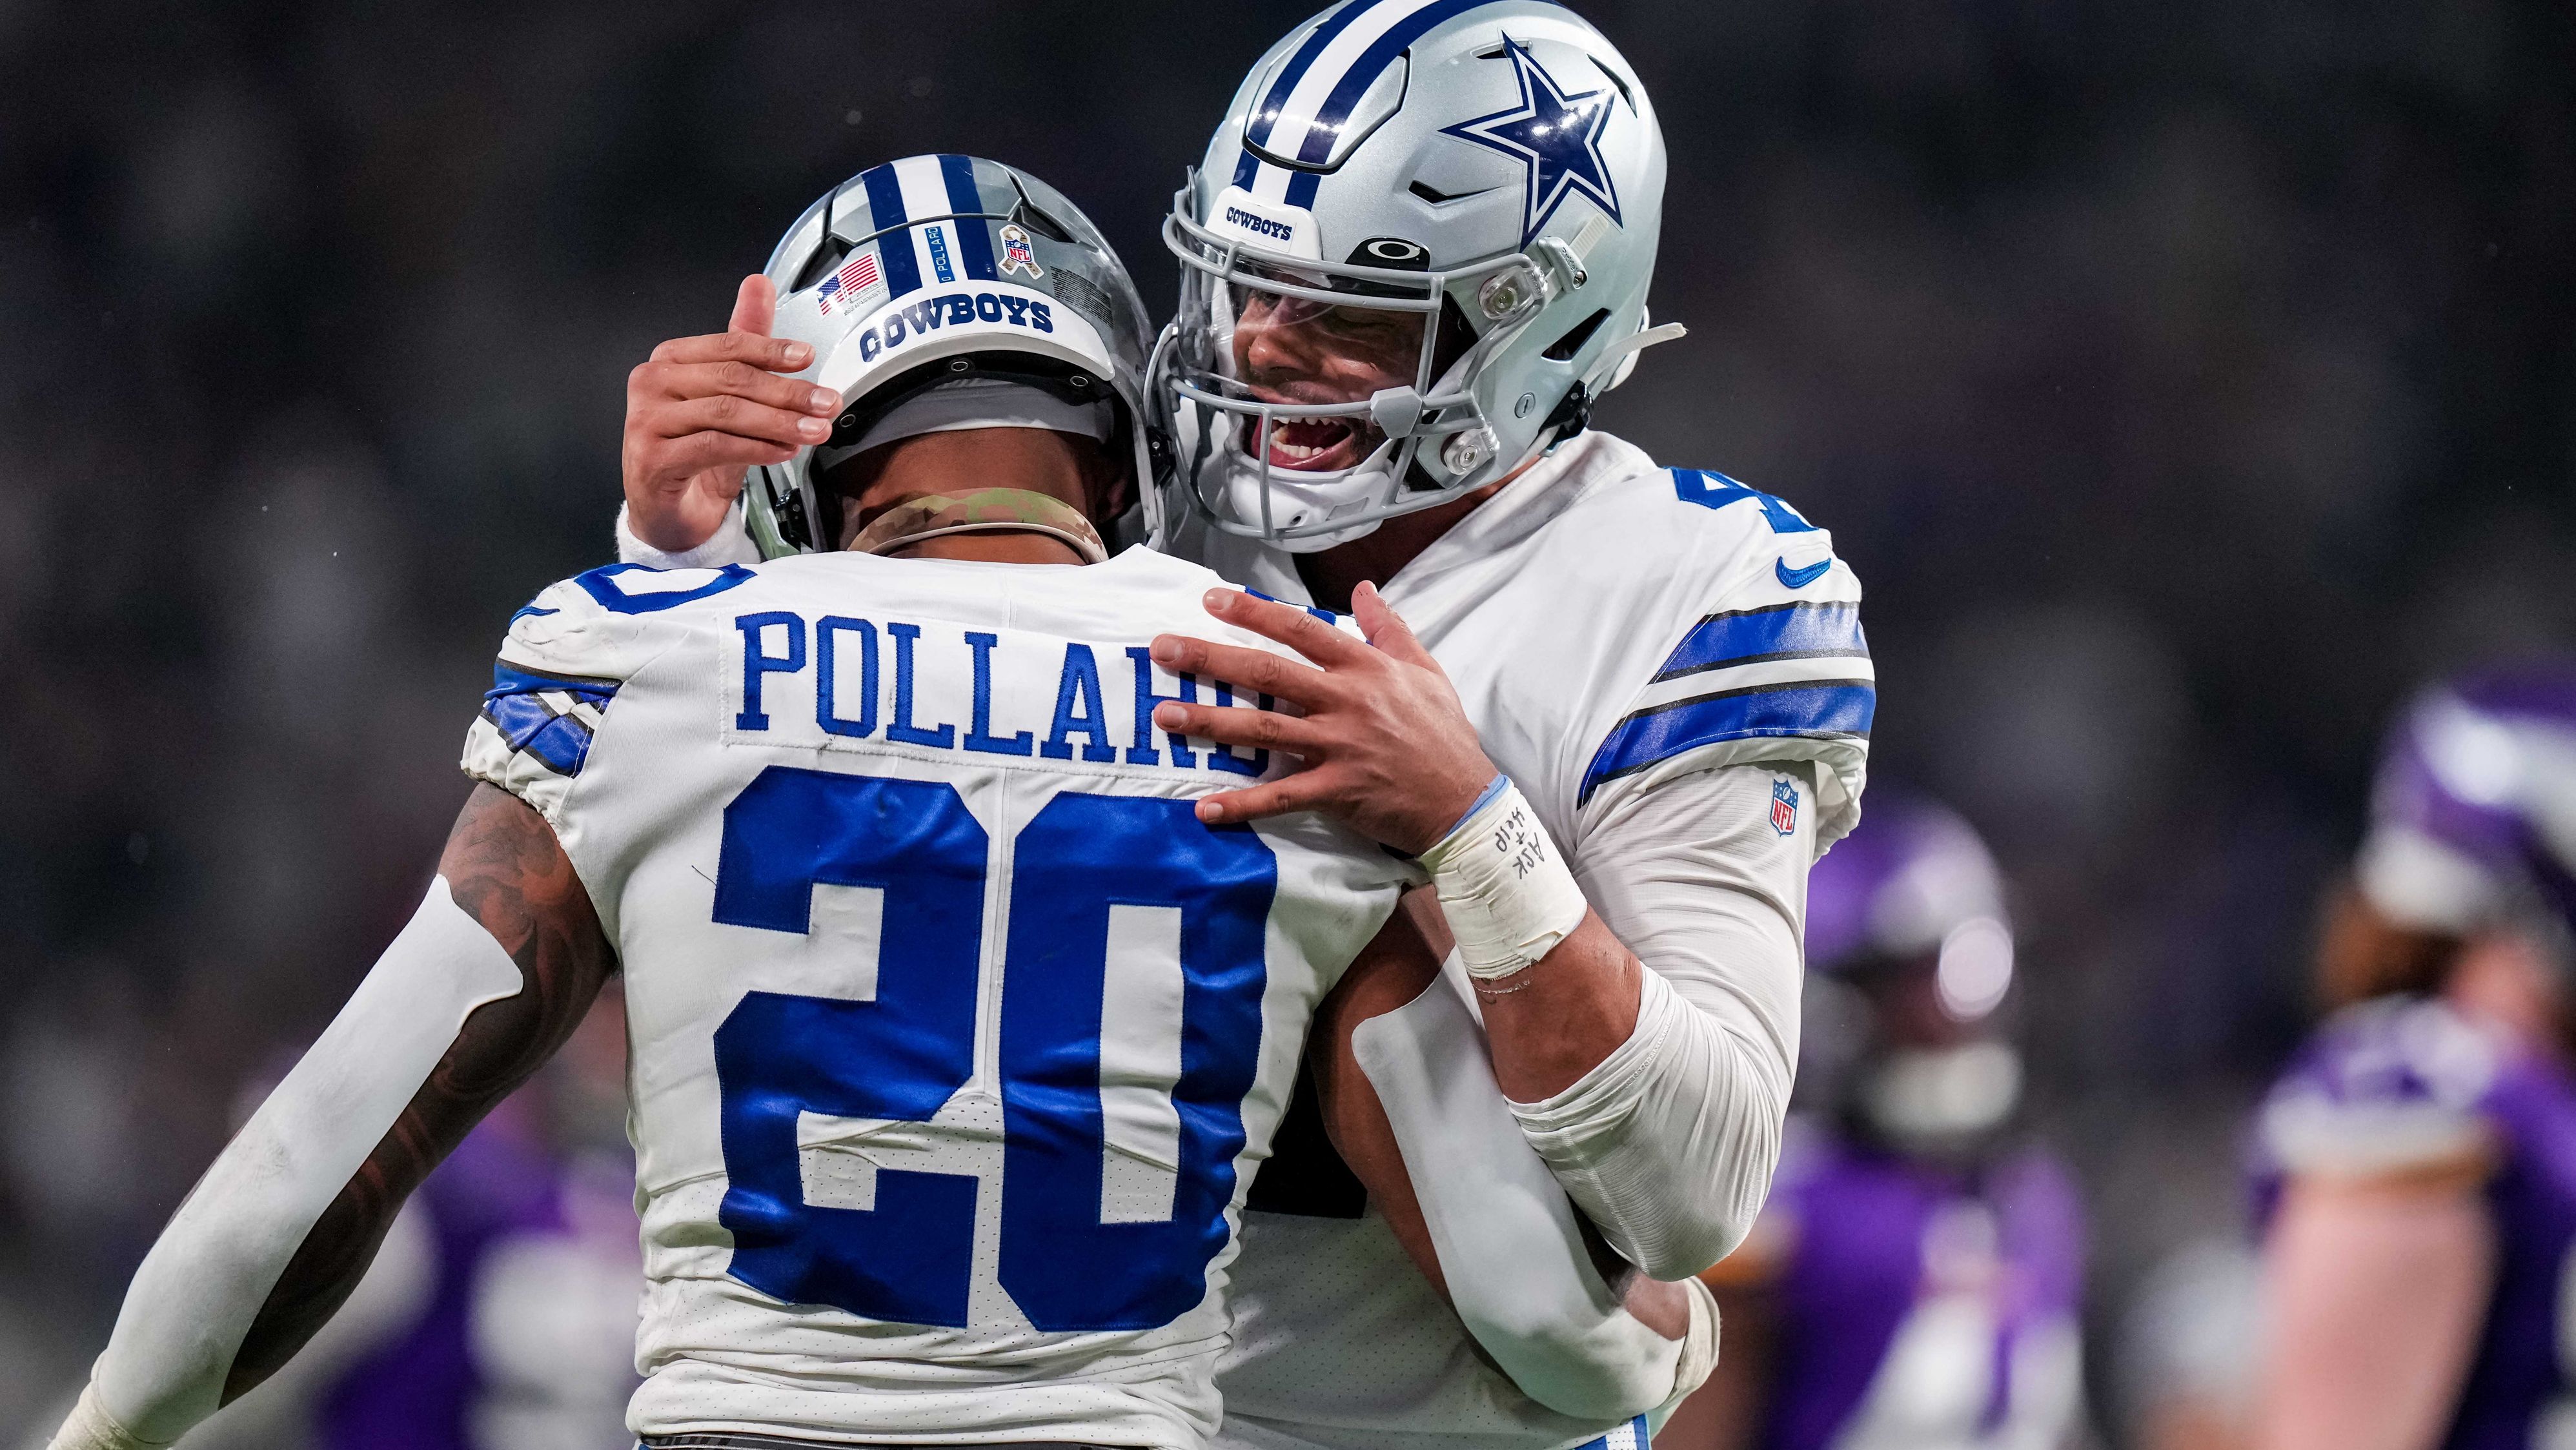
{"x": 565, "y": 656}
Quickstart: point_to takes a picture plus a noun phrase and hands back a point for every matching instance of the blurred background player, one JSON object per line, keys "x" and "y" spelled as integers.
{"x": 2416, "y": 1178}
{"x": 1916, "y": 1278}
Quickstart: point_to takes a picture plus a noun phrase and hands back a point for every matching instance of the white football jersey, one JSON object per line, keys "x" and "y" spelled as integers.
{"x": 1611, "y": 625}
{"x": 955, "y": 1037}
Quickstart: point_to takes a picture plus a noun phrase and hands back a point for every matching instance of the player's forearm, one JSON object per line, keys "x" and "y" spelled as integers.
{"x": 201, "y": 1290}
{"x": 1657, "y": 1095}
{"x": 1565, "y": 1016}
{"x": 1669, "y": 1144}
{"x": 2374, "y": 1292}
{"x": 1410, "y": 1100}
{"x": 491, "y": 974}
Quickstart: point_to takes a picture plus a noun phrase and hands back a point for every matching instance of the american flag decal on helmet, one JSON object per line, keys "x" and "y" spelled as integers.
{"x": 856, "y": 276}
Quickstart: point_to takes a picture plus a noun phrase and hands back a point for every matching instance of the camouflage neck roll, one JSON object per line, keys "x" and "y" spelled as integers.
{"x": 980, "y": 511}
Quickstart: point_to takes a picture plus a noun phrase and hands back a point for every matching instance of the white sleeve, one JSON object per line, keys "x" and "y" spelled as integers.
{"x": 1509, "y": 1247}
{"x": 729, "y": 544}
{"x": 1669, "y": 1143}
{"x": 199, "y": 1289}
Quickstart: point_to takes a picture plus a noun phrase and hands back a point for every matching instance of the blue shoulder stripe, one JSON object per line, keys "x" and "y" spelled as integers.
{"x": 1819, "y": 709}
{"x": 1824, "y": 630}
{"x": 517, "y": 707}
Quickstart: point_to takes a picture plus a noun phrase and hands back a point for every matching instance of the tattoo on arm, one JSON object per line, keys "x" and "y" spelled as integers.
{"x": 508, "y": 872}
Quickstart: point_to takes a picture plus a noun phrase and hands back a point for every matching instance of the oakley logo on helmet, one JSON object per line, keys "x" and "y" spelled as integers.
{"x": 1390, "y": 252}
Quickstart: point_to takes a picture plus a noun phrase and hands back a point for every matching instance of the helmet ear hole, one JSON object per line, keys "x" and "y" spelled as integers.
{"x": 1564, "y": 348}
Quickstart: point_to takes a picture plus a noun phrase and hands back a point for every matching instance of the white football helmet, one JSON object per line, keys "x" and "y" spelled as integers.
{"x": 944, "y": 269}
{"x": 1489, "y": 178}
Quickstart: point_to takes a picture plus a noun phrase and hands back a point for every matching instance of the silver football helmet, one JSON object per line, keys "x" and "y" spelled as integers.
{"x": 940, "y": 269}
{"x": 1415, "y": 255}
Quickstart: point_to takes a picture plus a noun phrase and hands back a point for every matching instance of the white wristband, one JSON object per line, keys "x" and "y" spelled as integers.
{"x": 1506, "y": 892}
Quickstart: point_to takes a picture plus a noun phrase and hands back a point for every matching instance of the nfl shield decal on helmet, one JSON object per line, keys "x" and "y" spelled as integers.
{"x": 1784, "y": 806}
{"x": 1016, "y": 256}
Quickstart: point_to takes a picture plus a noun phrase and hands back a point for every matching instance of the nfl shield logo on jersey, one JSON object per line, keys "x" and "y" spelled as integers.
{"x": 1784, "y": 806}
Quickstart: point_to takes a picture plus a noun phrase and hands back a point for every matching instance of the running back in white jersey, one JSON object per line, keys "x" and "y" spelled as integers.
{"x": 955, "y": 1036}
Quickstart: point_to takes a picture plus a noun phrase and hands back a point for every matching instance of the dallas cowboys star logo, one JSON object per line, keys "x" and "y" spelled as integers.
{"x": 1556, "y": 137}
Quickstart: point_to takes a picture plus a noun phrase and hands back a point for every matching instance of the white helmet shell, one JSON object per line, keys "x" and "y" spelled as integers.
{"x": 934, "y": 268}
{"x": 1491, "y": 167}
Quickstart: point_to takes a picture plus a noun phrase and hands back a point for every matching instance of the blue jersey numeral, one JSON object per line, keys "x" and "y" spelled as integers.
{"x": 901, "y": 1056}
{"x": 1082, "y": 855}
{"x": 1715, "y": 491}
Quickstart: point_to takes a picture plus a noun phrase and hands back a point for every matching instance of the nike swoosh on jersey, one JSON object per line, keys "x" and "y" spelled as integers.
{"x": 1800, "y": 578}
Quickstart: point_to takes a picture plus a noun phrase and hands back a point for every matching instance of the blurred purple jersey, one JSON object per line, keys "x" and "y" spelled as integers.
{"x": 1921, "y": 1305}
{"x": 2475, "y": 804}
{"x": 524, "y": 1334}
{"x": 2399, "y": 1083}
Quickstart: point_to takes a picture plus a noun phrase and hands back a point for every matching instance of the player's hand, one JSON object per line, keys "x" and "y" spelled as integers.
{"x": 705, "y": 408}
{"x": 1388, "y": 749}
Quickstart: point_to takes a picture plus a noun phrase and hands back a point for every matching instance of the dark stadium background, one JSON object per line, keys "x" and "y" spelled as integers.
{"x": 2185, "y": 382}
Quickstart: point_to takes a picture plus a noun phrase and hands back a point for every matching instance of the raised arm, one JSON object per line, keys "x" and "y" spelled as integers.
{"x": 1409, "y": 1101}
{"x": 492, "y": 974}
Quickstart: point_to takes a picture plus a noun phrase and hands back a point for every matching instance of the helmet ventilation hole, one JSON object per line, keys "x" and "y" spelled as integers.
{"x": 1564, "y": 348}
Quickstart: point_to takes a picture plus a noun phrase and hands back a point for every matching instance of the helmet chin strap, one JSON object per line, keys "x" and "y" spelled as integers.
{"x": 980, "y": 511}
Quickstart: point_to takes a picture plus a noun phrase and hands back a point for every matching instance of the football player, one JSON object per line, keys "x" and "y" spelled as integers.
{"x": 2417, "y": 1177}
{"x": 1415, "y": 256}
{"x": 1916, "y": 1279}
{"x": 955, "y": 1034}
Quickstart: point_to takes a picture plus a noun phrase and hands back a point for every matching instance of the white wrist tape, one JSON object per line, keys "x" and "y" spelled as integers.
{"x": 91, "y": 1427}
{"x": 1507, "y": 894}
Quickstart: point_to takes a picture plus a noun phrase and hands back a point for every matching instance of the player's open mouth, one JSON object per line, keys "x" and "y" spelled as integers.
{"x": 1311, "y": 444}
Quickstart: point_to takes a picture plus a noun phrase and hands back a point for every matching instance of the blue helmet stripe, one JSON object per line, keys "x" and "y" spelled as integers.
{"x": 1257, "y": 125}
{"x": 887, "y": 216}
{"x": 974, "y": 237}
{"x": 1301, "y": 187}
{"x": 1364, "y": 72}
{"x": 1828, "y": 709}
{"x": 1247, "y": 169}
